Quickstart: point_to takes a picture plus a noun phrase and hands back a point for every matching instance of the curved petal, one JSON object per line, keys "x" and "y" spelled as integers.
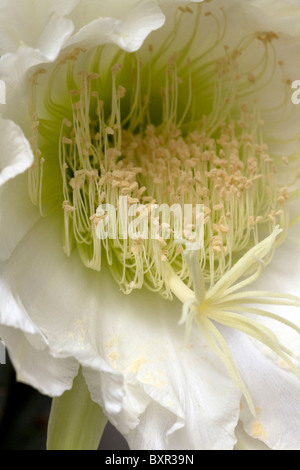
{"x": 55, "y": 33}
{"x": 125, "y": 24}
{"x": 83, "y": 315}
{"x": 17, "y": 214}
{"x": 13, "y": 72}
{"x": 172, "y": 398}
{"x": 281, "y": 16}
{"x": 48, "y": 29}
{"x": 95, "y": 21}
{"x": 274, "y": 389}
{"x": 55, "y": 316}
{"x": 15, "y": 155}
{"x": 187, "y": 410}
{"x": 246, "y": 442}
{"x": 93, "y": 27}
{"x": 34, "y": 364}
{"x": 275, "y": 392}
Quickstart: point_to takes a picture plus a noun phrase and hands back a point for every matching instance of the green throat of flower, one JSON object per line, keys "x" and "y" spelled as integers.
{"x": 166, "y": 129}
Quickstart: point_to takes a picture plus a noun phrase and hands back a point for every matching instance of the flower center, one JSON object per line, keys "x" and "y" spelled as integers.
{"x": 102, "y": 164}
{"x": 127, "y": 157}
{"x": 161, "y": 167}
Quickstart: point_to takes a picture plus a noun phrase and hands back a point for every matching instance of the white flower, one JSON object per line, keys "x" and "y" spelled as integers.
{"x": 202, "y": 113}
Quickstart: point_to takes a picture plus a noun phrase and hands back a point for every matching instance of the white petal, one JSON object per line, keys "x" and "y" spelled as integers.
{"x": 173, "y": 398}
{"x": 61, "y": 8}
{"x": 125, "y": 24}
{"x": 13, "y": 72}
{"x": 17, "y": 214}
{"x": 15, "y": 152}
{"x": 45, "y": 294}
{"x": 274, "y": 389}
{"x": 39, "y": 25}
{"x": 34, "y": 364}
{"x": 54, "y": 34}
{"x": 246, "y": 442}
{"x": 93, "y": 27}
{"x": 275, "y": 393}
{"x": 84, "y": 315}
{"x": 281, "y": 16}
{"x": 194, "y": 403}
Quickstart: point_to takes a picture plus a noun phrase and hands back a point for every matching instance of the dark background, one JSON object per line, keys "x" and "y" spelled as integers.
{"x": 24, "y": 417}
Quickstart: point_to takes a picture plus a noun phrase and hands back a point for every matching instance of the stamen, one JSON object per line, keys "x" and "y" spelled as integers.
{"x": 232, "y": 175}
{"x": 126, "y": 149}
